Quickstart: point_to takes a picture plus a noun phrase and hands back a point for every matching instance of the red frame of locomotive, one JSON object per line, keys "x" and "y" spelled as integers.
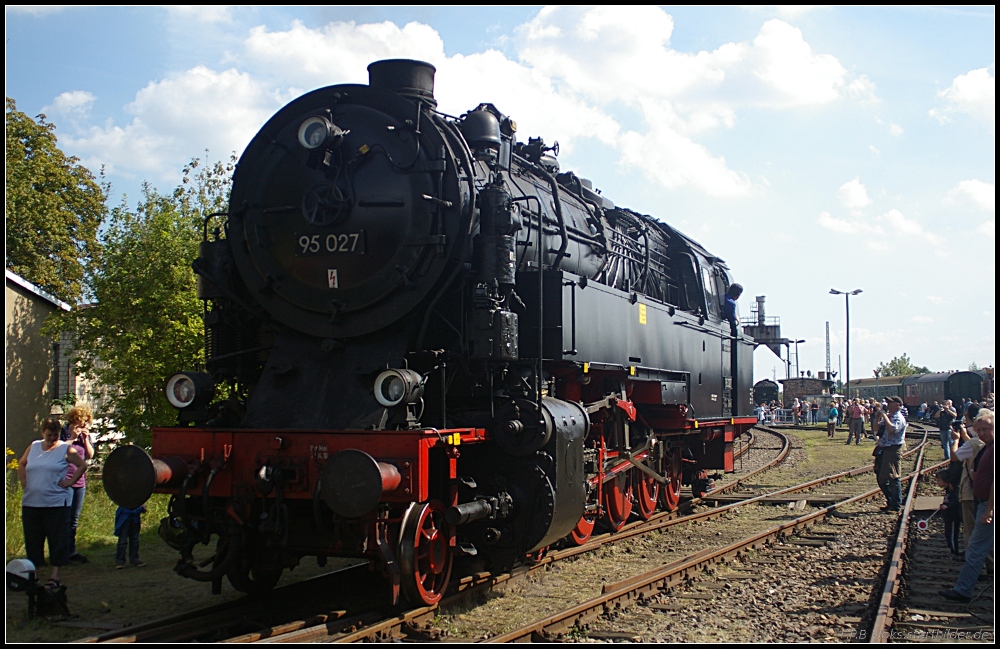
{"x": 406, "y": 449}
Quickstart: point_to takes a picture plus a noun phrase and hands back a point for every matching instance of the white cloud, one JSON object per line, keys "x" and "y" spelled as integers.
{"x": 203, "y": 13}
{"x": 787, "y": 64}
{"x": 922, "y": 319}
{"x": 897, "y": 223}
{"x": 854, "y": 196}
{"x": 557, "y": 101}
{"x": 973, "y": 93}
{"x": 878, "y": 233}
{"x": 528, "y": 96}
{"x": 980, "y": 194}
{"x": 862, "y": 336}
{"x": 845, "y": 226}
{"x": 988, "y": 228}
{"x": 874, "y": 150}
{"x": 795, "y": 11}
{"x": 936, "y": 299}
{"x": 73, "y": 102}
{"x": 862, "y": 88}
{"x": 777, "y": 68}
{"x": 37, "y": 10}
{"x": 829, "y": 222}
{"x": 219, "y": 111}
{"x": 895, "y": 129}
{"x": 664, "y": 155}
{"x": 338, "y": 52}
{"x": 679, "y": 95}
{"x": 573, "y": 66}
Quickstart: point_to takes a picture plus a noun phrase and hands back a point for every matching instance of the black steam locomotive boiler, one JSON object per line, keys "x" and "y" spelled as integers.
{"x": 431, "y": 345}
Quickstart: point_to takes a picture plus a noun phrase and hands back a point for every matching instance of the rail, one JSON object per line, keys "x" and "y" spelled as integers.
{"x": 628, "y": 591}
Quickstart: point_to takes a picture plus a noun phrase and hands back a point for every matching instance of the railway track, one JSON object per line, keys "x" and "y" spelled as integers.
{"x": 266, "y": 620}
{"x": 262, "y": 615}
{"x": 347, "y": 625}
{"x": 624, "y": 591}
{"x": 909, "y": 609}
{"x": 654, "y": 589}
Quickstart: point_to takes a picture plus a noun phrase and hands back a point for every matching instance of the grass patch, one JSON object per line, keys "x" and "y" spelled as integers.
{"x": 95, "y": 532}
{"x": 105, "y": 597}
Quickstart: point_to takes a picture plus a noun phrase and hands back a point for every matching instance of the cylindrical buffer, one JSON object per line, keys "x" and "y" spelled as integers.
{"x": 353, "y": 482}
{"x": 130, "y": 475}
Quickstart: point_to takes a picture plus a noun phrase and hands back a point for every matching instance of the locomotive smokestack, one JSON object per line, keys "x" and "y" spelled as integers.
{"x": 413, "y": 79}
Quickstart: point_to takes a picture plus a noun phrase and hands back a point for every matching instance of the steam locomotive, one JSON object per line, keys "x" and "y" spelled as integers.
{"x": 431, "y": 347}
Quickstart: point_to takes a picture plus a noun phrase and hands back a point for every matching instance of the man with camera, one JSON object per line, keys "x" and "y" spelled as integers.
{"x": 980, "y": 544}
{"x": 892, "y": 429}
{"x": 945, "y": 416}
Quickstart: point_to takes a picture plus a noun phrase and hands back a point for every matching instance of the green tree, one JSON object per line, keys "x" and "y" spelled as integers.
{"x": 54, "y": 207}
{"x": 145, "y": 321}
{"x": 900, "y": 366}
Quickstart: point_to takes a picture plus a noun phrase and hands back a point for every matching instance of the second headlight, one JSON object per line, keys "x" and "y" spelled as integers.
{"x": 395, "y": 387}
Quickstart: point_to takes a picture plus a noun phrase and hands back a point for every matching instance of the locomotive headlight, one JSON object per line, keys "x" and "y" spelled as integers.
{"x": 189, "y": 389}
{"x": 395, "y": 387}
{"x": 316, "y": 131}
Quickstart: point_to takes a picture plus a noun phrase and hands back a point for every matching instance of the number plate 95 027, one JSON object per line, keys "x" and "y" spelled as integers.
{"x": 307, "y": 245}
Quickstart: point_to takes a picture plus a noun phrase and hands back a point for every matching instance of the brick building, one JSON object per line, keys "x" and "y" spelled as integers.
{"x": 803, "y": 387}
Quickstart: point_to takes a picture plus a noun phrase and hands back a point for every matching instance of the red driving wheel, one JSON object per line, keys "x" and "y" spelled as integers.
{"x": 584, "y": 528}
{"x": 425, "y": 553}
{"x": 670, "y": 495}
{"x": 647, "y": 491}
{"x": 617, "y": 500}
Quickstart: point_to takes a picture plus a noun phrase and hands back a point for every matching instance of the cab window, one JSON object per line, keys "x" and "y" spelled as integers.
{"x": 711, "y": 295}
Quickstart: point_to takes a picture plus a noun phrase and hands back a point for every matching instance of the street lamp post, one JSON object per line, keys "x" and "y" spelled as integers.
{"x": 797, "y": 374}
{"x": 847, "y": 305}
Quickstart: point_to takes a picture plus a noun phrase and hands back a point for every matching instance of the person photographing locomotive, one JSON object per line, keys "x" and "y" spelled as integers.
{"x": 887, "y": 451}
{"x": 945, "y": 416}
{"x": 969, "y": 447}
{"x": 980, "y": 544}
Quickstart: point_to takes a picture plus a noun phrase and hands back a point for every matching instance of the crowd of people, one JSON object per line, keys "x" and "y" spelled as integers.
{"x": 53, "y": 476}
{"x": 967, "y": 433}
{"x": 969, "y": 495}
{"x": 967, "y": 440}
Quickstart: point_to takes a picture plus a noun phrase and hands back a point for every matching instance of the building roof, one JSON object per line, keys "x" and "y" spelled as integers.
{"x": 804, "y": 378}
{"x": 31, "y": 288}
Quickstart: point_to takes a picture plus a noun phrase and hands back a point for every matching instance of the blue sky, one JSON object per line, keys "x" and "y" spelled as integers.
{"x": 810, "y": 148}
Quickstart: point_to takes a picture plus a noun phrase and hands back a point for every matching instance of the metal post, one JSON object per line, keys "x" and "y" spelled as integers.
{"x": 847, "y": 305}
{"x": 797, "y": 373}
